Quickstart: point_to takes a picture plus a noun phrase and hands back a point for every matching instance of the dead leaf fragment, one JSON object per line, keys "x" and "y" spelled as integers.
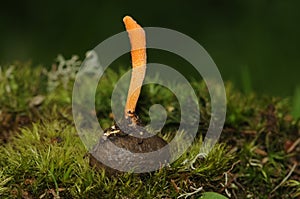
{"x": 260, "y": 152}
{"x": 36, "y": 101}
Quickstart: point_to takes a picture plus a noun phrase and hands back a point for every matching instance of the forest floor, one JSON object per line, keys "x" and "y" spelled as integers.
{"x": 42, "y": 156}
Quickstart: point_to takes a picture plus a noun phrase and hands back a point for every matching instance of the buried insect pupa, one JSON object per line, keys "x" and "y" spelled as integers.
{"x": 119, "y": 149}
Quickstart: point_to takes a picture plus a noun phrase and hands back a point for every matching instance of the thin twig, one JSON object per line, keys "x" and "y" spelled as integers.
{"x": 233, "y": 165}
{"x": 227, "y": 183}
{"x": 292, "y": 147}
{"x": 186, "y": 195}
{"x": 175, "y": 186}
{"x": 285, "y": 179}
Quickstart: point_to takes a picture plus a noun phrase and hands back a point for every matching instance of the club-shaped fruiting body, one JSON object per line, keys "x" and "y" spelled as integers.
{"x": 129, "y": 134}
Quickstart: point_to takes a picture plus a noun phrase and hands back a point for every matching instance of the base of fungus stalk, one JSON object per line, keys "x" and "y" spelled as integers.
{"x": 134, "y": 139}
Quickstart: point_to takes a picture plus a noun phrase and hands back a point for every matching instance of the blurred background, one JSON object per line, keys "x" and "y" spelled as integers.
{"x": 255, "y": 43}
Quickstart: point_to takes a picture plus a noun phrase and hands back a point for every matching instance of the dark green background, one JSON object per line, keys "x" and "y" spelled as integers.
{"x": 255, "y": 43}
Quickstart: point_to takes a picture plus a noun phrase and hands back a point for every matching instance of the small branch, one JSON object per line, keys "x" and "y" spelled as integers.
{"x": 227, "y": 183}
{"x": 186, "y": 195}
{"x": 175, "y": 186}
{"x": 285, "y": 179}
{"x": 233, "y": 165}
{"x": 293, "y": 146}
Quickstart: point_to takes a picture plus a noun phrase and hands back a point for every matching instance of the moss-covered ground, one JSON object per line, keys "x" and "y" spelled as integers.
{"x": 42, "y": 156}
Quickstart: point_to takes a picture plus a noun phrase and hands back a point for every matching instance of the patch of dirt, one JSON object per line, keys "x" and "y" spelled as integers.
{"x": 10, "y": 123}
{"x": 271, "y": 121}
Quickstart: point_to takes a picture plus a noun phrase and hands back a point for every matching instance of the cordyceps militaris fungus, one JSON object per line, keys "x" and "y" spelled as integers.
{"x": 138, "y": 56}
{"x": 129, "y": 134}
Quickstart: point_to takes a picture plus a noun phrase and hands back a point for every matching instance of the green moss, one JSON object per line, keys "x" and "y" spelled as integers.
{"x": 47, "y": 159}
{"x": 14, "y": 80}
{"x": 50, "y": 156}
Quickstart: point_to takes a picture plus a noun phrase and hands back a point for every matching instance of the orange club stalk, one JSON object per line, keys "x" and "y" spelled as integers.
{"x": 137, "y": 39}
